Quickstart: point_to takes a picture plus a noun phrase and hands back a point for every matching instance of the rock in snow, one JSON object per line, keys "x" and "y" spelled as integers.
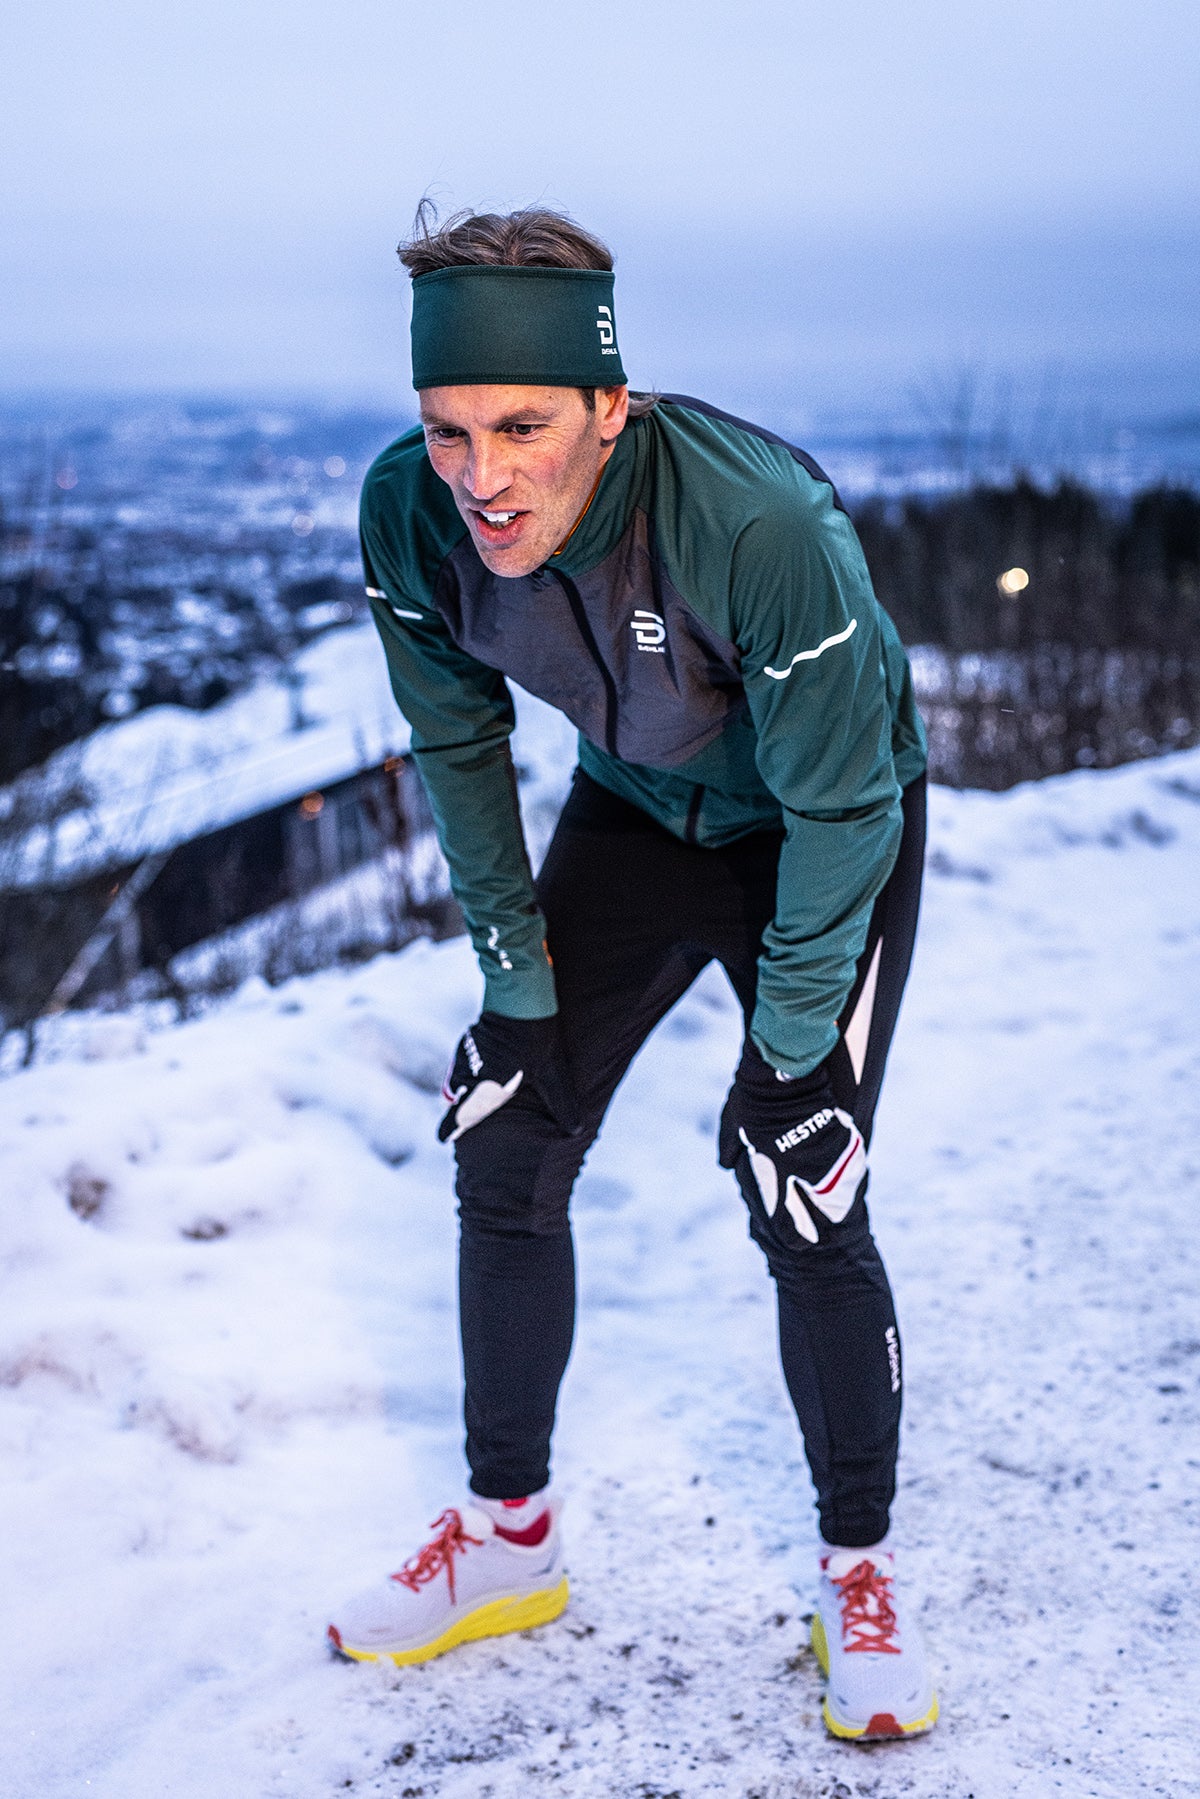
{"x": 229, "y": 1372}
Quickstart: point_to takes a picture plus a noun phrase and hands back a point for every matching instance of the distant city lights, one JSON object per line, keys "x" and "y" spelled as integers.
{"x": 303, "y": 524}
{"x": 1012, "y": 582}
{"x": 311, "y": 804}
{"x": 66, "y": 478}
{"x": 335, "y": 466}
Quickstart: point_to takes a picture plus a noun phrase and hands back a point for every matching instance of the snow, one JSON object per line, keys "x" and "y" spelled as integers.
{"x": 229, "y": 1374}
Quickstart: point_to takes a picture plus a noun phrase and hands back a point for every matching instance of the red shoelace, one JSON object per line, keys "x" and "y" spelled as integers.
{"x": 438, "y": 1553}
{"x": 868, "y": 1621}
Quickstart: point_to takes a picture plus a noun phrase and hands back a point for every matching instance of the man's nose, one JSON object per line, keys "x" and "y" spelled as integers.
{"x": 486, "y": 474}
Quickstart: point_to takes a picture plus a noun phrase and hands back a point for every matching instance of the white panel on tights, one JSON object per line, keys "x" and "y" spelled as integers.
{"x": 859, "y": 1027}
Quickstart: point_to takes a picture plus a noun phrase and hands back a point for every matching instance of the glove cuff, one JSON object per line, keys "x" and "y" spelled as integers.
{"x": 756, "y": 1075}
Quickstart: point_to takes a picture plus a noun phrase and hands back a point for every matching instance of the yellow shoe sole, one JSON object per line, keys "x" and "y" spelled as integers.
{"x": 879, "y": 1728}
{"x": 495, "y": 1619}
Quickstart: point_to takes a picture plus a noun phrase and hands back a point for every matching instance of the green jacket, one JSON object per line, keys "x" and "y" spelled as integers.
{"x": 711, "y": 630}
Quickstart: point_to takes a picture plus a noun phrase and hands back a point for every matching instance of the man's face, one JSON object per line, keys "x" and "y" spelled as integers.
{"x": 521, "y": 463}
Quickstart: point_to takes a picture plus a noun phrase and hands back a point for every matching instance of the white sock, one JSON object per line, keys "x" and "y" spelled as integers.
{"x": 514, "y": 1514}
{"x": 828, "y": 1550}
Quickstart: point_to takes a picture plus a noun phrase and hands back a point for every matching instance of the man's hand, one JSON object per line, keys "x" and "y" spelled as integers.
{"x": 804, "y": 1149}
{"x": 495, "y": 1057}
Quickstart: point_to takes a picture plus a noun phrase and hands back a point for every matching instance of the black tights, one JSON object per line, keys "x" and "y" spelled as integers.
{"x": 633, "y": 915}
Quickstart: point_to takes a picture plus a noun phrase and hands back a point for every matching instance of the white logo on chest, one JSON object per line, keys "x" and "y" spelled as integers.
{"x": 650, "y": 631}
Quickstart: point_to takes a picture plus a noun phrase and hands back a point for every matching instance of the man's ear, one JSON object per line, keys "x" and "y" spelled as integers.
{"x": 612, "y": 411}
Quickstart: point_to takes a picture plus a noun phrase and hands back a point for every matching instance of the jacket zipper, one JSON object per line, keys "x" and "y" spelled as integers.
{"x": 585, "y": 631}
{"x": 693, "y": 815}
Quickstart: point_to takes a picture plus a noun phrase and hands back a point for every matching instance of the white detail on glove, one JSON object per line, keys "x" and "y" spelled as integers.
{"x": 482, "y": 1101}
{"x": 764, "y": 1172}
{"x": 833, "y": 1194}
{"x": 798, "y": 1211}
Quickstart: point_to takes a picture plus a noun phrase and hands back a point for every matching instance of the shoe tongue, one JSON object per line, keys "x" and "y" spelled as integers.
{"x": 477, "y": 1522}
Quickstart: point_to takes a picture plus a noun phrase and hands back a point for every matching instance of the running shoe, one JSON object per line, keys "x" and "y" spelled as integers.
{"x": 870, "y": 1650}
{"x": 491, "y": 1567}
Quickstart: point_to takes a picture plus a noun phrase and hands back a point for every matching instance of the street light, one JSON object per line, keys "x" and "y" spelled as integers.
{"x": 1012, "y": 582}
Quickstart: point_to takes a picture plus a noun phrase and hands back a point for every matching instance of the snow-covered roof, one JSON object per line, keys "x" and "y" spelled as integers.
{"x": 168, "y": 774}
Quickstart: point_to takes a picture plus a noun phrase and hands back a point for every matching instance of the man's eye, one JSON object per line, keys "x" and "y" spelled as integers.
{"x": 522, "y": 430}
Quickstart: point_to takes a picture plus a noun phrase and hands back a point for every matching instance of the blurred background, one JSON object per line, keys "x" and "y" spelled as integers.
{"x": 953, "y": 251}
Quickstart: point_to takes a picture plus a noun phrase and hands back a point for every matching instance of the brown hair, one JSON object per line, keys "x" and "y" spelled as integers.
{"x": 532, "y": 238}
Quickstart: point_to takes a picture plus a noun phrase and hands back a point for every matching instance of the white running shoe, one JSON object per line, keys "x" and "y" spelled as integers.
{"x": 870, "y": 1650}
{"x": 495, "y": 1566}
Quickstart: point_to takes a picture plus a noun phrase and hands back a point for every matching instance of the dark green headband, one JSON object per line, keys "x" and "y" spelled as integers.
{"x": 482, "y": 325}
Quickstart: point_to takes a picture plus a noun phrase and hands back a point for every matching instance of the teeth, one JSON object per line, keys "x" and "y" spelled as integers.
{"x": 499, "y": 518}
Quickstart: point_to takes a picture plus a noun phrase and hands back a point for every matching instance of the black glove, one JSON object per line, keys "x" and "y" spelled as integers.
{"x": 803, "y": 1148}
{"x": 492, "y": 1060}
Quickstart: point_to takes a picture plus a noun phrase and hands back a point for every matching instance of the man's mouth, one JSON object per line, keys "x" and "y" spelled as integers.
{"x": 496, "y": 525}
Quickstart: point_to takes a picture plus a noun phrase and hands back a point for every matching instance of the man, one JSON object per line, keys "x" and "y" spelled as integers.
{"x": 688, "y": 590}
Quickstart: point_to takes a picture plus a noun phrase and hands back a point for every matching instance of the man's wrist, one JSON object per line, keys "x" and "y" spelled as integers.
{"x": 525, "y": 992}
{"x": 757, "y": 1074}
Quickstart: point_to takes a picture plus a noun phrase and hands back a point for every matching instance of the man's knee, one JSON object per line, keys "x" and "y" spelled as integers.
{"x": 808, "y": 1252}
{"x": 516, "y": 1171}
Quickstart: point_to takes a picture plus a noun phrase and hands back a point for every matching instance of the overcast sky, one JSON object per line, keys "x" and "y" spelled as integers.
{"x": 836, "y": 199}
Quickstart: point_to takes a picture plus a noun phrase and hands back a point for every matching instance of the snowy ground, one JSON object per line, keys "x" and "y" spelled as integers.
{"x": 228, "y": 1375}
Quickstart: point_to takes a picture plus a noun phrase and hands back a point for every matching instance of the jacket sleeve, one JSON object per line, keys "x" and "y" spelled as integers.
{"x": 462, "y": 716}
{"x": 808, "y": 626}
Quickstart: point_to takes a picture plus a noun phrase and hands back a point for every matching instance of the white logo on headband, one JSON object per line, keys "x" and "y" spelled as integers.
{"x": 604, "y": 325}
